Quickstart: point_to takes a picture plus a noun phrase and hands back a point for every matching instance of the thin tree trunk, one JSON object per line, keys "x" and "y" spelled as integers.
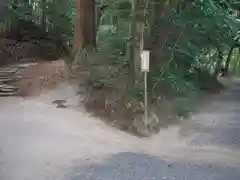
{"x": 3, "y": 7}
{"x": 43, "y": 18}
{"x": 98, "y": 14}
{"x": 237, "y": 62}
{"x": 78, "y": 28}
{"x": 219, "y": 63}
{"x": 225, "y": 71}
{"x": 137, "y": 34}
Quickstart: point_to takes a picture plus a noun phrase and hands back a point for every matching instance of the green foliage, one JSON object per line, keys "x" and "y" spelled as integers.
{"x": 204, "y": 33}
{"x": 58, "y": 16}
{"x": 183, "y": 107}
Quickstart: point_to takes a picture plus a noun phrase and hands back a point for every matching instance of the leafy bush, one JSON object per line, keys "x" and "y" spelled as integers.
{"x": 190, "y": 66}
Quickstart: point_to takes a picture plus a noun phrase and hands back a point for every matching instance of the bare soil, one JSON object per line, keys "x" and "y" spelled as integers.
{"x": 42, "y": 142}
{"x": 41, "y": 77}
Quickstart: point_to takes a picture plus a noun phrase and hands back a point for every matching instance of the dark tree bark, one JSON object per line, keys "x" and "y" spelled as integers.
{"x": 218, "y": 66}
{"x": 137, "y": 34}
{"x": 225, "y": 70}
{"x": 43, "y": 18}
{"x": 85, "y": 31}
{"x": 89, "y": 25}
{"x": 3, "y": 5}
{"x": 78, "y": 28}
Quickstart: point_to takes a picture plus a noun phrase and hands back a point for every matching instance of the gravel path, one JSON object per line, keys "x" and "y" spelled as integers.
{"x": 41, "y": 142}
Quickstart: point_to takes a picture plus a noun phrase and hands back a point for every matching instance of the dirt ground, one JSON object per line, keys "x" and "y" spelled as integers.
{"x": 41, "y": 142}
{"x": 42, "y": 77}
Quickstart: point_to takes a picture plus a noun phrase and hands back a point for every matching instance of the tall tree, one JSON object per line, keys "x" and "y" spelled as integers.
{"x": 85, "y": 30}
{"x": 43, "y": 18}
{"x": 137, "y": 32}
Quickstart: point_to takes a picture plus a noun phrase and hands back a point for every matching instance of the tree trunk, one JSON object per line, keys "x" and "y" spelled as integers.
{"x": 85, "y": 30}
{"x": 78, "y": 28}
{"x": 219, "y": 63}
{"x": 237, "y": 62}
{"x": 225, "y": 71}
{"x": 137, "y": 34}
{"x": 3, "y": 8}
{"x": 89, "y": 23}
{"x": 98, "y": 14}
{"x": 43, "y": 18}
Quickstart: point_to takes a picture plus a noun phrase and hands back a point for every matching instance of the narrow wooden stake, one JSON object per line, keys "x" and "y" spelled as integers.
{"x": 145, "y": 99}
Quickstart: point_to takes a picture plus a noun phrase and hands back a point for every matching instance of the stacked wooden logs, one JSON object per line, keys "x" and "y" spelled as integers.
{"x": 8, "y": 78}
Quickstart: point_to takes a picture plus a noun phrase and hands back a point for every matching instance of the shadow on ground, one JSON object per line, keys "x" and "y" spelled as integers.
{"x": 132, "y": 166}
{"x": 224, "y": 134}
{"x": 222, "y": 121}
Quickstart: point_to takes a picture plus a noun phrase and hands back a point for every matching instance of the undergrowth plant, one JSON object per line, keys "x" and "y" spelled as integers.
{"x": 189, "y": 63}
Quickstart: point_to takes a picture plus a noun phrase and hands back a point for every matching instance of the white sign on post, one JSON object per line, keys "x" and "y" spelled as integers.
{"x": 145, "y": 61}
{"x": 145, "y": 68}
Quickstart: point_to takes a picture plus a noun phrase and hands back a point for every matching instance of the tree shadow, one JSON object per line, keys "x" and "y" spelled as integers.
{"x": 132, "y": 166}
{"x": 225, "y": 134}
